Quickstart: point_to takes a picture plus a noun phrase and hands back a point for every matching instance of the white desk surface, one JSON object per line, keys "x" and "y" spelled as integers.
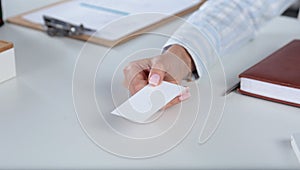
{"x": 39, "y": 127}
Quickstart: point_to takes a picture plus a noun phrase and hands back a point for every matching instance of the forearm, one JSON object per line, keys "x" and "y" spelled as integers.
{"x": 229, "y": 24}
{"x": 220, "y": 26}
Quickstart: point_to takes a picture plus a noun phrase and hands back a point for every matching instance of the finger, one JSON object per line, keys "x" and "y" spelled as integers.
{"x": 136, "y": 85}
{"x": 172, "y": 103}
{"x": 184, "y": 96}
{"x": 170, "y": 79}
{"x": 135, "y": 70}
{"x": 129, "y": 80}
{"x": 156, "y": 74}
{"x": 135, "y": 78}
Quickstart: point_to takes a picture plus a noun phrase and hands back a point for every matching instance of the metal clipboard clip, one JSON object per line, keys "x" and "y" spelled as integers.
{"x": 55, "y": 27}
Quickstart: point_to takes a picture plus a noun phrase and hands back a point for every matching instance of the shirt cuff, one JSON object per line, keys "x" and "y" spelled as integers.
{"x": 200, "y": 43}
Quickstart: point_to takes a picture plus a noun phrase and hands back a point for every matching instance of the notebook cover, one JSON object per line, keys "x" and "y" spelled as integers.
{"x": 268, "y": 98}
{"x": 281, "y": 68}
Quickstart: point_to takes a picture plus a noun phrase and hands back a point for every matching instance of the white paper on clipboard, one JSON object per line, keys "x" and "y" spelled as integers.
{"x": 95, "y": 14}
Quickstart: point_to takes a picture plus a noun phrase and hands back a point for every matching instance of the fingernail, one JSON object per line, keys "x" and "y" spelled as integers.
{"x": 185, "y": 96}
{"x": 154, "y": 79}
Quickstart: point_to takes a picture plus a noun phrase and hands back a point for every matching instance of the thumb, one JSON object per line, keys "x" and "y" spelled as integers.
{"x": 156, "y": 75}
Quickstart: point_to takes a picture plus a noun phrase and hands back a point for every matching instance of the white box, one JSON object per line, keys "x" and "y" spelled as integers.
{"x": 7, "y": 61}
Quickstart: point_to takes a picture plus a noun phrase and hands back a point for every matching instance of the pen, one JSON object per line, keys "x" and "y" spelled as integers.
{"x": 233, "y": 88}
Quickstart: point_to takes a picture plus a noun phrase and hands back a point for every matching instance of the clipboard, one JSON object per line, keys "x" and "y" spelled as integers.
{"x": 21, "y": 21}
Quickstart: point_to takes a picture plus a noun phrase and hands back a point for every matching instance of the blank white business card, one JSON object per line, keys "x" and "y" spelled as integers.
{"x": 146, "y": 102}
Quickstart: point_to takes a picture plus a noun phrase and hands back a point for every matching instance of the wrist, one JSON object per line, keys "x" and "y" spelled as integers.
{"x": 183, "y": 54}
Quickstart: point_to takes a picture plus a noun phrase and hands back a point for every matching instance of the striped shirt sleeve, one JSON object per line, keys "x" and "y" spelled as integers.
{"x": 220, "y": 26}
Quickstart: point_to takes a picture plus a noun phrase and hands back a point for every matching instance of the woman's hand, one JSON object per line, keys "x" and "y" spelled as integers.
{"x": 173, "y": 66}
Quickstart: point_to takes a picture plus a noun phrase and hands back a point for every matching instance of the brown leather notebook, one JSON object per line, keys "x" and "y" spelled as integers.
{"x": 275, "y": 78}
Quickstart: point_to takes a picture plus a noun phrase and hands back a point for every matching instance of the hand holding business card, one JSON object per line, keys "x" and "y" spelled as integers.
{"x": 146, "y": 102}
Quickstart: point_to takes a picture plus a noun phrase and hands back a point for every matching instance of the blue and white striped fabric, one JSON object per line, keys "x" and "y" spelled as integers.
{"x": 222, "y": 25}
